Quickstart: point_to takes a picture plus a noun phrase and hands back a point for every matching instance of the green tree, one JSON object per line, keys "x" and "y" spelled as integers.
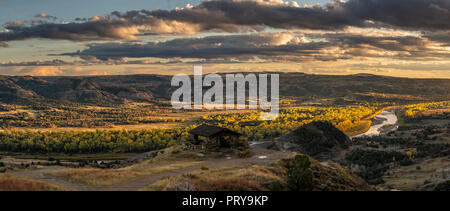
{"x": 299, "y": 174}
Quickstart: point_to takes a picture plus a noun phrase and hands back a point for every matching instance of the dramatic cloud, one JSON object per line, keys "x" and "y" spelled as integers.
{"x": 245, "y": 15}
{"x": 401, "y": 47}
{"x": 273, "y": 47}
{"x": 207, "y": 47}
{"x": 382, "y": 36}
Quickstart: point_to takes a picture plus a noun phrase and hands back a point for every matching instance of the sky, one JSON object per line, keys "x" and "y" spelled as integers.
{"x": 405, "y": 38}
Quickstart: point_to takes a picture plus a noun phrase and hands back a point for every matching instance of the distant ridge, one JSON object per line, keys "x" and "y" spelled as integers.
{"x": 117, "y": 89}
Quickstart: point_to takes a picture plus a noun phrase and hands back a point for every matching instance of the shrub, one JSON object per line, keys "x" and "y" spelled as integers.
{"x": 275, "y": 186}
{"x": 376, "y": 163}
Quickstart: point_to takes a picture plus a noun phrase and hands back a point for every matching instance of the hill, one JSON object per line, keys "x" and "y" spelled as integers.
{"x": 150, "y": 88}
{"x": 10, "y": 92}
{"x": 320, "y": 140}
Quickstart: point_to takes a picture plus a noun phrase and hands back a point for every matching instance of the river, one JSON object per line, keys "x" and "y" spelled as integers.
{"x": 384, "y": 122}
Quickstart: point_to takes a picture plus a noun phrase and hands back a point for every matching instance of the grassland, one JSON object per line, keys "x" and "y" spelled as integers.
{"x": 108, "y": 177}
{"x": 254, "y": 178}
{"x": 417, "y": 176}
{"x": 10, "y": 182}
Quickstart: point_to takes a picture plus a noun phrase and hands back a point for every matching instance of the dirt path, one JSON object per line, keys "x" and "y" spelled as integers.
{"x": 260, "y": 157}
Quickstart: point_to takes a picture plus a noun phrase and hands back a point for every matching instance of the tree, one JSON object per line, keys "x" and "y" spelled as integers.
{"x": 299, "y": 174}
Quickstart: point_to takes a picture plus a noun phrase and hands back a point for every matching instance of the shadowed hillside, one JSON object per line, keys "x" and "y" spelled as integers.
{"x": 320, "y": 140}
{"x": 148, "y": 88}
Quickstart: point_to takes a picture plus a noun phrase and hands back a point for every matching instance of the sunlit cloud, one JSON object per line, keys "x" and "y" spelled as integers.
{"x": 337, "y": 37}
{"x": 45, "y": 16}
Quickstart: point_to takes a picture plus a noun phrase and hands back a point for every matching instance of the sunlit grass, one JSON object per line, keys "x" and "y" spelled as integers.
{"x": 15, "y": 183}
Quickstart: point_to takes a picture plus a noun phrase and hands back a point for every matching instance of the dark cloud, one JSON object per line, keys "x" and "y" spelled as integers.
{"x": 260, "y": 47}
{"x": 69, "y": 31}
{"x": 229, "y": 15}
{"x": 226, "y": 14}
{"x": 207, "y": 48}
{"x": 235, "y": 16}
{"x": 271, "y": 47}
{"x": 410, "y": 14}
{"x": 440, "y": 36}
{"x": 409, "y": 46}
